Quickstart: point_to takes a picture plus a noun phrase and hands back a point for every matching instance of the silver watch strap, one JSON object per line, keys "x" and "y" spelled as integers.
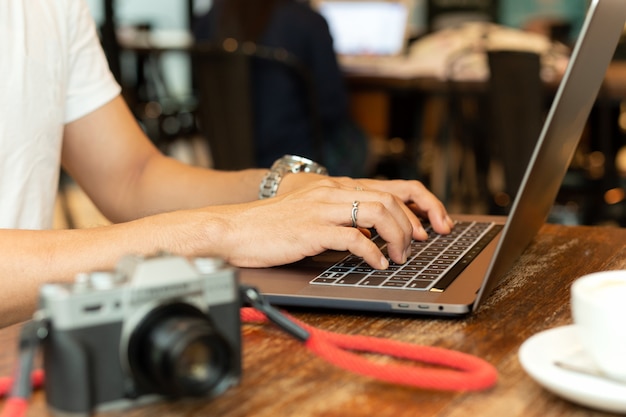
{"x": 283, "y": 166}
{"x": 270, "y": 183}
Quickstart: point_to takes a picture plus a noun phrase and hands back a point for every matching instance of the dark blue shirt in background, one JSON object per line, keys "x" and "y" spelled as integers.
{"x": 282, "y": 121}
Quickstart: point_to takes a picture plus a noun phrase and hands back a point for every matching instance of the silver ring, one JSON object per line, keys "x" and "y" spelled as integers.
{"x": 355, "y": 210}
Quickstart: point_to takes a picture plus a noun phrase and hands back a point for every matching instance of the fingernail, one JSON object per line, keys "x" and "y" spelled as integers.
{"x": 406, "y": 254}
{"x": 450, "y": 221}
{"x": 384, "y": 263}
{"x": 422, "y": 233}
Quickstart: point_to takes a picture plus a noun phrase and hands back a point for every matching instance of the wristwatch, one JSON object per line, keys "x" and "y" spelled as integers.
{"x": 283, "y": 166}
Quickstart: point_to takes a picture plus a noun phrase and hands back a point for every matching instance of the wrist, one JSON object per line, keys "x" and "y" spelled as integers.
{"x": 282, "y": 167}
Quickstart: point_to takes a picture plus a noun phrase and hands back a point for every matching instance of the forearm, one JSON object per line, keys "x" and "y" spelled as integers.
{"x": 127, "y": 177}
{"x": 166, "y": 185}
{"x": 31, "y": 258}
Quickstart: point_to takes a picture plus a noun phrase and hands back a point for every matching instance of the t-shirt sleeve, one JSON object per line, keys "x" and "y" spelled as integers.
{"x": 90, "y": 83}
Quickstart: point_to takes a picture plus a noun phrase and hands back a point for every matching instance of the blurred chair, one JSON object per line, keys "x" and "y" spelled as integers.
{"x": 441, "y": 14}
{"x": 222, "y": 76}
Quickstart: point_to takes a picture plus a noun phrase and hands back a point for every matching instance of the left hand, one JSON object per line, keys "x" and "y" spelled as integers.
{"x": 418, "y": 201}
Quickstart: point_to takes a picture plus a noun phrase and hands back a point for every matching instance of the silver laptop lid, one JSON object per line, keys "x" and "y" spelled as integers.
{"x": 561, "y": 132}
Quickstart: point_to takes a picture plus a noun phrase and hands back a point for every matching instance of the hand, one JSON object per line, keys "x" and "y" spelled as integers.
{"x": 417, "y": 198}
{"x": 317, "y": 217}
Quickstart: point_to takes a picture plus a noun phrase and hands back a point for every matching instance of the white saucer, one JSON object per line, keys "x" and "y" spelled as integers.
{"x": 538, "y": 355}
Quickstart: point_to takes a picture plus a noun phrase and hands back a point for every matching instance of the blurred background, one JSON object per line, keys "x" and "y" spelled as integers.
{"x": 457, "y": 101}
{"x": 174, "y": 16}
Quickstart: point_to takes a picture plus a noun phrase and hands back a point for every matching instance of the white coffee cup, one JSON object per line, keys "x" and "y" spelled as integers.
{"x": 599, "y": 311}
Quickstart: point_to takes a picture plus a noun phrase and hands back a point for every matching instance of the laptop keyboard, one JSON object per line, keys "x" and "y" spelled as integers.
{"x": 433, "y": 265}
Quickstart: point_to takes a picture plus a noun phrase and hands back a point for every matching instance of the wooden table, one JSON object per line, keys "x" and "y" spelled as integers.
{"x": 281, "y": 378}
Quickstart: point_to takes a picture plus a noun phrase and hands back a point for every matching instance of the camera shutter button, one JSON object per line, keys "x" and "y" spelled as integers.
{"x": 208, "y": 265}
{"x": 102, "y": 280}
{"x": 81, "y": 281}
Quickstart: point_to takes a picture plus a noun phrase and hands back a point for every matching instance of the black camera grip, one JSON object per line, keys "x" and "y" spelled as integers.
{"x": 67, "y": 374}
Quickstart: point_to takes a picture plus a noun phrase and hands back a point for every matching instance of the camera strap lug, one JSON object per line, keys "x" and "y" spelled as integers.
{"x": 30, "y": 338}
{"x": 253, "y": 297}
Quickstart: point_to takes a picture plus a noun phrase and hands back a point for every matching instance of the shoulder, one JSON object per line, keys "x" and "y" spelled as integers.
{"x": 39, "y": 15}
{"x": 66, "y": 12}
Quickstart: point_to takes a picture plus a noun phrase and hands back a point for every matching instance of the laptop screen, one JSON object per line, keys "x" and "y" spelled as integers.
{"x": 366, "y": 27}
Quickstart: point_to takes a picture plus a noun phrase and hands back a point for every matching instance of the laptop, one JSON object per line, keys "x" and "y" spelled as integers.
{"x": 367, "y": 32}
{"x": 338, "y": 281}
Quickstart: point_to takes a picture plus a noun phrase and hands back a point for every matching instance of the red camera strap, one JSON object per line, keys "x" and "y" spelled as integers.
{"x": 465, "y": 372}
{"x": 6, "y": 383}
{"x": 15, "y": 406}
{"x": 452, "y": 370}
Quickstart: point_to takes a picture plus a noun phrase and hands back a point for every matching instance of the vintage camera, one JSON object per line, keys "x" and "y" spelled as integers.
{"x": 163, "y": 327}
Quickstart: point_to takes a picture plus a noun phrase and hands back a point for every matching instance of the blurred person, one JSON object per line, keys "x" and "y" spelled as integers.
{"x": 282, "y": 122}
{"x": 60, "y": 106}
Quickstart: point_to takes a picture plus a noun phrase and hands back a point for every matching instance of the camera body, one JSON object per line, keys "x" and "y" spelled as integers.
{"x": 154, "y": 328}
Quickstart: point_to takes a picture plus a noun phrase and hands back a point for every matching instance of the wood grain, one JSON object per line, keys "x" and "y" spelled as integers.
{"x": 281, "y": 378}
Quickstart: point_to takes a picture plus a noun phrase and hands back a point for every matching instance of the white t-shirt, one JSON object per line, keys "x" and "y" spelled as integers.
{"x": 52, "y": 71}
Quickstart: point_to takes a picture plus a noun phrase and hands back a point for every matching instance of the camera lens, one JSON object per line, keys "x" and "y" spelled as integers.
{"x": 177, "y": 352}
{"x": 194, "y": 361}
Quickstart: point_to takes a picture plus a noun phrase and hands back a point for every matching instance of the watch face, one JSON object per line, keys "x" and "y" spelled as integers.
{"x": 299, "y": 160}
{"x": 297, "y": 164}
{"x": 298, "y": 167}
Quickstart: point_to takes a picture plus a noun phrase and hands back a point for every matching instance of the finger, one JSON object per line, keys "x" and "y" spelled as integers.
{"x": 395, "y": 208}
{"x": 422, "y": 201}
{"x": 438, "y": 218}
{"x": 433, "y": 209}
{"x": 389, "y": 221}
{"x": 355, "y": 241}
{"x": 380, "y": 210}
{"x": 419, "y": 232}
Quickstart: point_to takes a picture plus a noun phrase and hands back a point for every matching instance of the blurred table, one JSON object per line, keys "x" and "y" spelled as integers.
{"x": 372, "y": 91}
{"x": 281, "y": 378}
{"x": 419, "y": 109}
{"x": 373, "y": 80}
